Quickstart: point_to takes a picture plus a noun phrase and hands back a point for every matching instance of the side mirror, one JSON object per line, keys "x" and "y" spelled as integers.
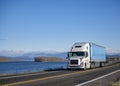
{"x": 86, "y": 54}
{"x": 68, "y": 55}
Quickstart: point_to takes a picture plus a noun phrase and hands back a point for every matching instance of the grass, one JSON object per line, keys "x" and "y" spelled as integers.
{"x": 117, "y": 83}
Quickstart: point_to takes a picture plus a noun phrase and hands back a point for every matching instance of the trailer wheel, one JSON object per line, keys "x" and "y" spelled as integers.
{"x": 101, "y": 64}
{"x": 90, "y": 66}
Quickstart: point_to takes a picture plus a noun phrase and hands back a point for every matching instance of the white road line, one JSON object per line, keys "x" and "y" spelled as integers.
{"x": 98, "y": 78}
{"x": 27, "y": 75}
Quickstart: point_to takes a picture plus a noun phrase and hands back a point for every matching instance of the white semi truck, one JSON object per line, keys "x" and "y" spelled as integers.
{"x": 86, "y": 55}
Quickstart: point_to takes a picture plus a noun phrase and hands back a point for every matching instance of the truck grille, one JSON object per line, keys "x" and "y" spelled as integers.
{"x": 73, "y": 61}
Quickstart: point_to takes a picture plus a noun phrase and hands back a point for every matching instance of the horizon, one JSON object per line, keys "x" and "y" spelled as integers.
{"x": 50, "y": 25}
{"x": 46, "y": 53}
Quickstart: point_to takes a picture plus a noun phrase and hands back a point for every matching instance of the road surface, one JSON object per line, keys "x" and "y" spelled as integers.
{"x": 103, "y": 76}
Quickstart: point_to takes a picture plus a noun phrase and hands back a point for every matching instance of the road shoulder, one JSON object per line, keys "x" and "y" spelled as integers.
{"x": 106, "y": 80}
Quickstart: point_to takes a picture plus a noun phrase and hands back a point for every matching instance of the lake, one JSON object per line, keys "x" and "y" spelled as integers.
{"x": 28, "y": 66}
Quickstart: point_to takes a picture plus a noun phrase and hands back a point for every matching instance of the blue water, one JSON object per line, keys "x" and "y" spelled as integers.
{"x": 26, "y": 67}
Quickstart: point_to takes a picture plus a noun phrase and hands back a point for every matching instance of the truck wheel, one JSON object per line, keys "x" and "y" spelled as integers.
{"x": 85, "y": 67}
{"x": 68, "y": 69}
{"x": 103, "y": 64}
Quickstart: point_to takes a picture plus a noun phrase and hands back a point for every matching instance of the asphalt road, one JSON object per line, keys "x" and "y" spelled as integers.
{"x": 64, "y": 77}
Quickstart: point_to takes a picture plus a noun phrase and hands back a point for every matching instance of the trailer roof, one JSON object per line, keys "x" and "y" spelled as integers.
{"x": 89, "y": 43}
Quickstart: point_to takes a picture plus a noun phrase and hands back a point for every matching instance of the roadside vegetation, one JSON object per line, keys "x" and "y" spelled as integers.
{"x": 117, "y": 83}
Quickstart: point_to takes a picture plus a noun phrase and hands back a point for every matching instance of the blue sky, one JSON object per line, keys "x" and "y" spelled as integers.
{"x": 39, "y": 25}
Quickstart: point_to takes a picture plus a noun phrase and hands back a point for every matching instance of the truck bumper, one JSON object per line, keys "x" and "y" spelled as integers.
{"x": 75, "y": 67}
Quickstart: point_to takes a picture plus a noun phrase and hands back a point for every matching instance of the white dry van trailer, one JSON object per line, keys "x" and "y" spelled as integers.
{"x": 86, "y": 55}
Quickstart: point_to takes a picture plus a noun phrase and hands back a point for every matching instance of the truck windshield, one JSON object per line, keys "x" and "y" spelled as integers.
{"x": 72, "y": 54}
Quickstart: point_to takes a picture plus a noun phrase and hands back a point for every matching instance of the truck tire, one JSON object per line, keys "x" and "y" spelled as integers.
{"x": 103, "y": 64}
{"x": 85, "y": 67}
{"x": 68, "y": 69}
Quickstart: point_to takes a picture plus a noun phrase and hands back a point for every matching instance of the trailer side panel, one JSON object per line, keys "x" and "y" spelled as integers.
{"x": 97, "y": 53}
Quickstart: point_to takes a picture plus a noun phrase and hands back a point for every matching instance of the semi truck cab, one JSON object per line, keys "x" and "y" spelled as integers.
{"x": 79, "y": 56}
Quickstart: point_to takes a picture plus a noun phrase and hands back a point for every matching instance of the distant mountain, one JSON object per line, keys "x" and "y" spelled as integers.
{"x": 10, "y": 53}
{"x": 112, "y": 55}
{"x": 112, "y": 51}
{"x": 36, "y": 54}
{"x": 29, "y": 56}
{"x": 32, "y": 55}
